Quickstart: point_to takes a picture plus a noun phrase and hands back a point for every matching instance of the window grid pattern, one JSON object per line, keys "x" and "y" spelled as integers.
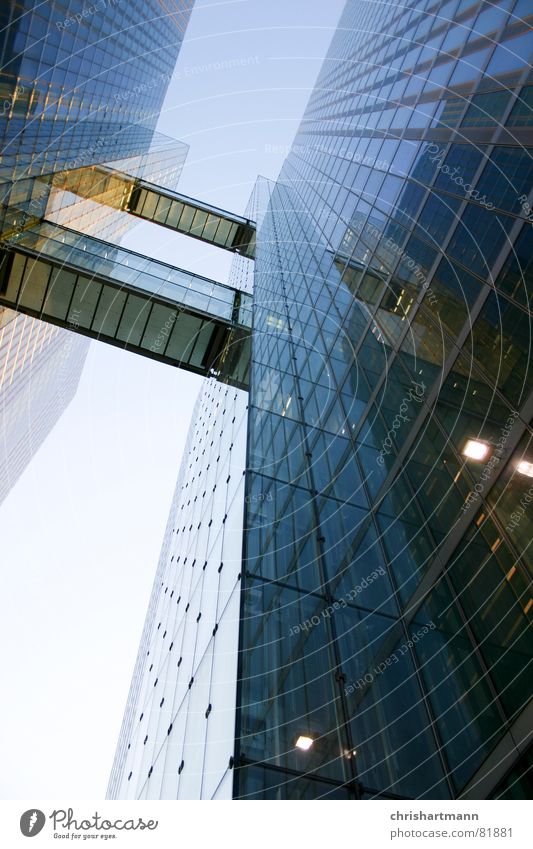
{"x": 391, "y": 276}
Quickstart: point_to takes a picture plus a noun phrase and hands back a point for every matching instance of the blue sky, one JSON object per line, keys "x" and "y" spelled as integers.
{"x": 82, "y": 528}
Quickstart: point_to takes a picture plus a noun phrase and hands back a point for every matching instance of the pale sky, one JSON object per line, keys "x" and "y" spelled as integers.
{"x": 82, "y": 528}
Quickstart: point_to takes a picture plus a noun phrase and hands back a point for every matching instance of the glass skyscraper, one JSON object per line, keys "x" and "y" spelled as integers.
{"x": 383, "y": 622}
{"x": 83, "y": 84}
{"x": 342, "y": 606}
{"x": 78, "y": 85}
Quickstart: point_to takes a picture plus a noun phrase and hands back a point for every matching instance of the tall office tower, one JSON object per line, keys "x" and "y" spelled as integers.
{"x": 40, "y": 367}
{"x": 393, "y": 582}
{"x": 384, "y": 636}
{"x": 177, "y": 735}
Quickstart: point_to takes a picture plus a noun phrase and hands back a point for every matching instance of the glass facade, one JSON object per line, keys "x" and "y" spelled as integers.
{"x": 79, "y": 85}
{"x": 83, "y": 84}
{"x": 40, "y": 367}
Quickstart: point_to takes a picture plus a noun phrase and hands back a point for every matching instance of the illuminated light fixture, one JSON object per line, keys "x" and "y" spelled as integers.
{"x": 525, "y": 468}
{"x": 304, "y": 743}
{"x": 287, "y": 405}
{"x": 475, "y": 450}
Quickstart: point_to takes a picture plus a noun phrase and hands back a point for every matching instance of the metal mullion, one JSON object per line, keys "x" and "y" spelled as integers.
{"x": 97, "y": 304}
{"x": 126, "y": 299}
{"x": 178, "y": 313}
{"x": 7, "y": 271}
{"x": 71, "y": 299}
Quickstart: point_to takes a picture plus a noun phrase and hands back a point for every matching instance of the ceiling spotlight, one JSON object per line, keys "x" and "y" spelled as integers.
{"x": 525, "y": 468}
{"x": 475, "y": 450}
{"x": 303, "y": 742}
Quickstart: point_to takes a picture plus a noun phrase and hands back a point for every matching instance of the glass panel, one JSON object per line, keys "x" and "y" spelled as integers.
{"x": 162, "y": 210}
{"x": 36, "y": 277}
{"x": 174, "y": 214}
{"x": 395, "y": 745}
{"x": 210, "y": 227}
{"x": 467, "y": 717}
{"x": 84, "y": 301}
{"x": 201, "y": 344}
{"x": 133, "y": 320}
{"x": 522, "y": 112}
{"x": 59, "y": 293}
{"x": 15, "y": 278}
{"x": 182, "y": 337}
{"x": 501, "y": 344}
{"x": 223, "y": 230}
{"x": 158, "y": 328}
{"x": 186, "y": 219}
{"x": 486, "y": 110}
{"x": 198, "y": 223}
{"x": 149, "y": 205}
{"x": 108, "y": 311}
